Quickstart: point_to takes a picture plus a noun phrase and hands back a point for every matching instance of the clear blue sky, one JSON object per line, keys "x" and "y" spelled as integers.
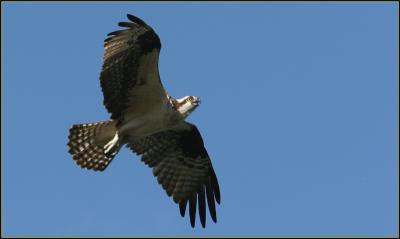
{"x": 299, "y": 114}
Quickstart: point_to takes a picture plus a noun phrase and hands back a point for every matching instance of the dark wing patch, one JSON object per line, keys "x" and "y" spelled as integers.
{"x": 183, "y": 168}
{"x": 123, "y": 51}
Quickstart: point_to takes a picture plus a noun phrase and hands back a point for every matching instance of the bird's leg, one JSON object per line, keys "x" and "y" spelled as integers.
{"x": 111, "y": 144}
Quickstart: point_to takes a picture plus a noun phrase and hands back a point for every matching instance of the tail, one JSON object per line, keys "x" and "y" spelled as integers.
{"x": 93, "y": 146}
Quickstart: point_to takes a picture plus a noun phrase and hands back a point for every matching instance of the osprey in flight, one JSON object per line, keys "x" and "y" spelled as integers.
{"x": 148, "y": 121}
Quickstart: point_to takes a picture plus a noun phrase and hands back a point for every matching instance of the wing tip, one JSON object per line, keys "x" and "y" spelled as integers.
{"x": 136, "y": 20}
{"x": 192, "y": 210}
{"x": 215, "y": 186}
{"x": 182, "y": 207}
{"x": 126, "y": 24}
{"x": 202, "y": 205}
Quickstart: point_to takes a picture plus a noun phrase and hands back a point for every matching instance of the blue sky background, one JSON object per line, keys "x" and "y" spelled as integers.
{"x": 299, "y": 114}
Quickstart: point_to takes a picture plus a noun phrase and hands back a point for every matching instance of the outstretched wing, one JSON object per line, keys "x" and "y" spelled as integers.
{"x": 129, "y": 77}
{"x": 183, "y": 168}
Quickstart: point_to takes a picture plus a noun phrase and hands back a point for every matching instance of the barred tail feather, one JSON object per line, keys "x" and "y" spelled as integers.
{"x": 87, "y": 142}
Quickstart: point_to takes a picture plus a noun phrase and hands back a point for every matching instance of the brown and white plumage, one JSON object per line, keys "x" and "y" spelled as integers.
{"x": 148, "y": 121}
{"x": 87, "y": 149}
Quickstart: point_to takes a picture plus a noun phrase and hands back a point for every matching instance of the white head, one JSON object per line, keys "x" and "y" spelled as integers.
{"x": 187, "y": 105}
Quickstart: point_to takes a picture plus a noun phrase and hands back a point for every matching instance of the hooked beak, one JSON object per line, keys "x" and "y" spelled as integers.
{"x": 197, "y": 102}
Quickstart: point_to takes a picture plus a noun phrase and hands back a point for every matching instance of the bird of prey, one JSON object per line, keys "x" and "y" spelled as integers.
{"x": 149, "y": 122}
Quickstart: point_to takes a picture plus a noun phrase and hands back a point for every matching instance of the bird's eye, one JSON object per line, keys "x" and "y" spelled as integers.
{"x": 191, "y": 98}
